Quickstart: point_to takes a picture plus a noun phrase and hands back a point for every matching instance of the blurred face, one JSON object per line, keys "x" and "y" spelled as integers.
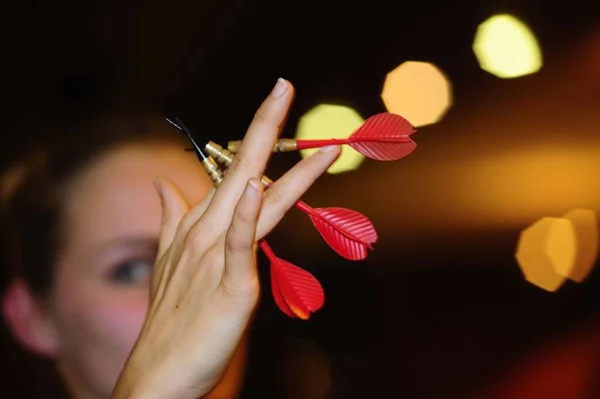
{"x": 102, "y": 278}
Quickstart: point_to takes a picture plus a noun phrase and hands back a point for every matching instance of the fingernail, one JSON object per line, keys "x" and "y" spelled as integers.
{"x": 279, "y": 89}
{"x": 328, "y": 148}
{"x": 253, "y": 186}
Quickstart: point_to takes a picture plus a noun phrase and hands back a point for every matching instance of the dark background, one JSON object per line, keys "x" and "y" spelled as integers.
{"x": 440, "y": 307}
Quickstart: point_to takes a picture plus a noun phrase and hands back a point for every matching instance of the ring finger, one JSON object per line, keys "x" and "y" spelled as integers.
{"x": 287, "y": 190}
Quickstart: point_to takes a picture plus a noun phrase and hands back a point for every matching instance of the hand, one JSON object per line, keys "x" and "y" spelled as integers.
{"x": 205, "y": 285}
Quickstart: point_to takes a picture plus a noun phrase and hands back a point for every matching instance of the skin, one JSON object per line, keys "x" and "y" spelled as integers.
{"x": 103, "y": 278}
{"x": 187, "y": 330}
{"x": 102, "y": 281}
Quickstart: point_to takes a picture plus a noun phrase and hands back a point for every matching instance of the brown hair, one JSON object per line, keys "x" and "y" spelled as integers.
{"x": 33, "y": 191}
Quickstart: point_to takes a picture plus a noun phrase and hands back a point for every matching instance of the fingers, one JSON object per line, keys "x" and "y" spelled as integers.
{"x": 255, "y": 150}
{"x": 287, "y": 190}
{"x": 239, "y": 274}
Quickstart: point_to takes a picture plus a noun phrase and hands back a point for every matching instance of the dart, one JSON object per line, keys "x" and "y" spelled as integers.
{"x": 295, "y": 291}
{"x": 347, "y": 232}
{"x": 382, "y": 137}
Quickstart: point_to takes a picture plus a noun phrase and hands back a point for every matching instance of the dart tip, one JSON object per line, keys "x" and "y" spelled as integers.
{"x": 173, "y": 123}
{"x": 176, "y": 122}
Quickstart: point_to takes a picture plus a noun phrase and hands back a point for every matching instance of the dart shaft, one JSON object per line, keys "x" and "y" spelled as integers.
{"x": 304, "y": 207}
{"x": 289, "y": 145}
{"x": 266, "y": 248}
{"x": 306, "y": 144}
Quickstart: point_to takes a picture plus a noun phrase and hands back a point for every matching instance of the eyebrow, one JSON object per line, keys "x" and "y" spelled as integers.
{"x": 127, "y": 243}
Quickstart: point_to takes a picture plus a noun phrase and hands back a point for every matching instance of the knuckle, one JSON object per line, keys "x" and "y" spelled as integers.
{"x": 196, "y": 238}
{"x": 266, "y": 115}
{"x": 235, "y": 242}
{"x": 313, "y": 166}
{"x": 187, "y": 221}
{"x": 261, "y": 115}
{"x": 246, "y": 294}
{"x": 194, "y": 233}
{"x": 242, "y": 216}
{"x": 240, "y": 161}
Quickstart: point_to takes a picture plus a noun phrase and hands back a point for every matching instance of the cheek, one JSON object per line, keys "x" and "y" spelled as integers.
{"x": 106, "y": 314}
{"x": 117, "y": 316}
{"x": 97, "y": 327}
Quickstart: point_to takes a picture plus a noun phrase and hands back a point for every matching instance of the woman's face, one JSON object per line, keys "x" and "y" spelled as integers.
{"x": 113, "y": 219}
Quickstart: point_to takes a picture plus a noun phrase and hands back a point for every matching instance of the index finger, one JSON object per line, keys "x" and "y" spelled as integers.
{"x": 255, "y": 150}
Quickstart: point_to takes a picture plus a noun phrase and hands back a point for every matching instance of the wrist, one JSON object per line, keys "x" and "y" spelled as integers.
{"x": 139, "y": 381}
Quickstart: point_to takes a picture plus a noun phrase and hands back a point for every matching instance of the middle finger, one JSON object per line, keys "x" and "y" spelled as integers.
{"x": 254, "y": 152}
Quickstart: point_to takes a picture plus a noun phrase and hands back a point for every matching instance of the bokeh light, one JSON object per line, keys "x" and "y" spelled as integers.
{"x": 585, "y": 223}
{"x": 506, "y": 47}
{"x": 328, "y": 121}
{"x": 514, "y": 187}
{"x": 418, "y": 91}
{"x": 546, "y": 252}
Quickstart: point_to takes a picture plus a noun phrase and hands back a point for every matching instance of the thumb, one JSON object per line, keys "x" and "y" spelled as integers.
{"x": 174, "y": 207}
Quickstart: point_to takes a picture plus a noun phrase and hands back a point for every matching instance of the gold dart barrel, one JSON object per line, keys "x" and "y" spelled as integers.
{"x": 282, "y": 145}
{"x": 220, "y": 154}
{"x": 214, "y": 172}
{"x": 225, "y": 157}
{"x": 233, "y": 146}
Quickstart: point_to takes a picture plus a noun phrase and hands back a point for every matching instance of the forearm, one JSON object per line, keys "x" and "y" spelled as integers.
{"x": 163, "y": 390}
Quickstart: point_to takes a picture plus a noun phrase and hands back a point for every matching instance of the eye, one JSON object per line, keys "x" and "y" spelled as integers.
{"x": 134, "y": 271}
